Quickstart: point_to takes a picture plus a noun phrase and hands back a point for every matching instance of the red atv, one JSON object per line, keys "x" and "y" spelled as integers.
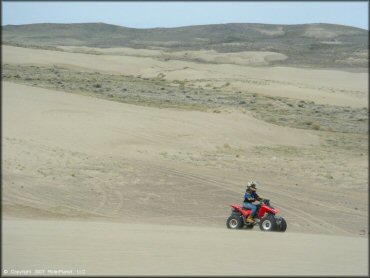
{"x": 265, "y": 217}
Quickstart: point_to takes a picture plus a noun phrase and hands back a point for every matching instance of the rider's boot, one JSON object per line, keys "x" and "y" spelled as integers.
{"x": 250, "y": 219}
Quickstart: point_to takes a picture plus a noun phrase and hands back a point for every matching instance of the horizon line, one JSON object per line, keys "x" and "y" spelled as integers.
{"x": 182, "y": 26}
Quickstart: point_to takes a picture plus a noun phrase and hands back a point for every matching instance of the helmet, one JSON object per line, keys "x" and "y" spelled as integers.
{"x": 252, "y": 185}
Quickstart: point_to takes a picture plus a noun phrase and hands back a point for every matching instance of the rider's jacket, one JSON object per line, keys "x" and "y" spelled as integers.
{"x": 250, "y": 196}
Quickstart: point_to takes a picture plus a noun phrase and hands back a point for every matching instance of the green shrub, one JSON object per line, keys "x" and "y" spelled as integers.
{"x": 315, "y": 126}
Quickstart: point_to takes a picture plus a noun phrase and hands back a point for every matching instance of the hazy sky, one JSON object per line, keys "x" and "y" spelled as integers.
{"x": 171, "y": 14}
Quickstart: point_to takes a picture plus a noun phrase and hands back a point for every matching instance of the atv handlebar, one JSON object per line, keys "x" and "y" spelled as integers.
{"x": 266, "y": 202}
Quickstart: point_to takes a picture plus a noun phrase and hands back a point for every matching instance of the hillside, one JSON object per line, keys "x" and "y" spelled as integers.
{"x": 318, "y": 45}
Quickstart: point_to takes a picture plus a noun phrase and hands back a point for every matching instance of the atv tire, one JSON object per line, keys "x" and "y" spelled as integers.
{"x": 268, "y": 223}
{"x": 234, "y": 222}
{"x": 282, "y": 227}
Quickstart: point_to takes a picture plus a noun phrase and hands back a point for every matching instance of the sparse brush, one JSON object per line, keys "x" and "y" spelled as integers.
{"x": 316, "y": 126}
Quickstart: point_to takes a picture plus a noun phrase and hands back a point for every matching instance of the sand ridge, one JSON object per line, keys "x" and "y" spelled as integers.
{"x": 85, "y": 124}
{"x": 327, "y": 86}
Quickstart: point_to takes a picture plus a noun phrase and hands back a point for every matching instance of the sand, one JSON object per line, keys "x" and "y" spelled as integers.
{"x": 247, "y": 58}
{"x": 96, "y": 126}
{"x": 99, "y": 248}
{"x": 333, "y": 87}
{"x": 96, "y": 187}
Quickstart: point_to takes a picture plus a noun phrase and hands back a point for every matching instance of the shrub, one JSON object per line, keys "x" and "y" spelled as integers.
{"x": 315, "y": 126}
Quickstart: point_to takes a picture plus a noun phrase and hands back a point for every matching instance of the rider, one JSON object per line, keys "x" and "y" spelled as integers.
{"x": 249, "y": 197}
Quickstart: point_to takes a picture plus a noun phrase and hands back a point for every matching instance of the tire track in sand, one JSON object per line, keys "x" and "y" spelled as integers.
{"x": 296, "y": 212}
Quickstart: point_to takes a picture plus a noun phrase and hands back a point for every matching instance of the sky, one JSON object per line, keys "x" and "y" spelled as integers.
{"x": 174, "y": 14}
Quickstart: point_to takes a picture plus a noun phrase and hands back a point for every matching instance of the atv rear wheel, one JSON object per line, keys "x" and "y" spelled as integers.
{"x": 234, "y": 222}
{"x": 268, "y": 223}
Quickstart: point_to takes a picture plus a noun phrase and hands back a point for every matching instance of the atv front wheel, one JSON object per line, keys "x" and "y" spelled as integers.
{"x": 282, "y": 227}
{"x": 234, "y": 222}
{"x": 268, "y": 223}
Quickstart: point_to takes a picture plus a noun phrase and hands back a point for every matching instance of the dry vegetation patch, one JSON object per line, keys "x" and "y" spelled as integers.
{"x": 185, "y": 95}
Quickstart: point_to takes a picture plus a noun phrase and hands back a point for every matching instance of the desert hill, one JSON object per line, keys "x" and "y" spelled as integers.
{"x": 323, "y": 45}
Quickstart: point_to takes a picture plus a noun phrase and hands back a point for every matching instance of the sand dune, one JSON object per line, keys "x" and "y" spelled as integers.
{"x": 109, "y": 188}
{"x": 322, "y": 86}
{"x": 247, "y": 58}
{"x": 109, "y": 158}
{"x": 96, "y": 126}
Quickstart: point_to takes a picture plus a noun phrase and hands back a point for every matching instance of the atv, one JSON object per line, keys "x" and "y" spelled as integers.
{"x": 265, "y": 217}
